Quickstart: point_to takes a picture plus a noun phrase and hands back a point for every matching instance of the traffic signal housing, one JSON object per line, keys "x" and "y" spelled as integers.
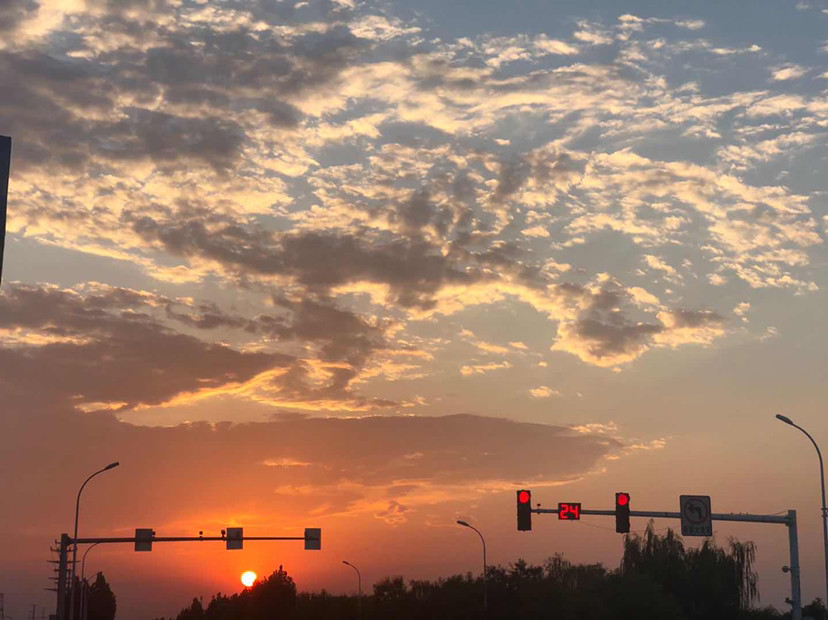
{"x": 622, "y": 513}
{"x": 524, "y": 510}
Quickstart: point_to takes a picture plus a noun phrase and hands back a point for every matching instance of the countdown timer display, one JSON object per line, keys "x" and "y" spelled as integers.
{"x": 569, "y": 511}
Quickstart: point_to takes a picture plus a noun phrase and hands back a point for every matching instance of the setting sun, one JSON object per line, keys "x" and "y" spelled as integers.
{"x": 248, "y": 578}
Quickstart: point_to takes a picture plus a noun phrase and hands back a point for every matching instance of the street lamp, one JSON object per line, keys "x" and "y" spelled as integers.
{"x": 359, "y": 580}
{"x": 84, "y": 589}
{"x": 75, "y": 537}
{"x": 483, "y": 540}
{"x": 787, "y": 420}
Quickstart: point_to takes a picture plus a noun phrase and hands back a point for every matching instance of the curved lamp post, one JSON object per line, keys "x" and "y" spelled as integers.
{"x": 359, "y": 579}
{"x": 85, "y": 589}
{"x": 75, "y": 537}
{"x": 483, "y": 540}
{"x": 787, "y": 420}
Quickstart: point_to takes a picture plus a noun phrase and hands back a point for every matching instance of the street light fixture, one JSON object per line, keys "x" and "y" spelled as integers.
{"x": 359, "y": 578}
{"x": 787, "y": 420}
{"x": 75, "y": 538}
{"x": 483, "y": 540}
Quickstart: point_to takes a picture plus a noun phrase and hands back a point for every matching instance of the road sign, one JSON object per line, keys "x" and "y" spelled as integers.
{"x": 143, "y": 538}
{"x": 313, "y": 539}
{"x": 696, "y": 517}
{"x": 235, "y": 538}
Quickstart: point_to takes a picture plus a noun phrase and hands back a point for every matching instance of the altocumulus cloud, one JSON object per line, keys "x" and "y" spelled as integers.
{"x": 115, "y": 348}
{"x": 200, "y": 136}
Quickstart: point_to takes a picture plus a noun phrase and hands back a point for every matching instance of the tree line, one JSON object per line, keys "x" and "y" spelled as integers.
{"x": 98, "y": 597}
{"x": 658, "y": 579}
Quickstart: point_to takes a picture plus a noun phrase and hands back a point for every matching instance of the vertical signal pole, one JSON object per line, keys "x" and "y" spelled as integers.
{"x": 63, "y": 569}
{"x": 5, "y": 164}
{"x": 793, "y": 541}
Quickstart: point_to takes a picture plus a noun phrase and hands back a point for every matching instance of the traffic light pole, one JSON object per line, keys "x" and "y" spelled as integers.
{"x": 788, "y": 520}
{"x": 677, "y": 515}
{"x": 67, "y": 541}
{"x": 155, "y": 539}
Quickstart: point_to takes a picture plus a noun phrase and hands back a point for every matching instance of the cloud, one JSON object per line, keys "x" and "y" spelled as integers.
{"x": 393, "y": 514}
{"x": 111, "y": 348}
{"x": 13, "y": 12}
{"x": 540, "y": 170}
{"x": 544, "y": 391}
{"x": 603, "y": 334}
{"x": 592, "y": 34}
{"x": 690, "y": 326}
{"x": 164, "y": 137}
{"x": 787, "y": 72}
{"x": 690, "y": 24}
{"x": 198, "y": 148}
{"x": 455, "y": 449}
{"x": 413, "y": 269}
{"x": 545, "y": 45}
{"x": 658, "y": 264}
{"x": 481, "y": 345}
{"x": 343, "y": 334}
{"x": 383, "y": 466}
{"x": 120, "y": 357}
{"x": 607, "y": 341}
{"x": 480, "y": 369}
{"x": 381, "y": 28}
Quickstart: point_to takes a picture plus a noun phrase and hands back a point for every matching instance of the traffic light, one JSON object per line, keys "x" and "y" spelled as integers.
{"x": 524, "y": 510}
{"x": 622, "y": 513}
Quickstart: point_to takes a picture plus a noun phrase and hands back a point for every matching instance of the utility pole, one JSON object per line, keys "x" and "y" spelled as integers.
{"x": 63, "y": 570}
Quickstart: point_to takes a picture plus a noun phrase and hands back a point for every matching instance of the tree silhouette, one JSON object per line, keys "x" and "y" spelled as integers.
{"x": 816, "y": 610}
{"x": 101, "y": 604}
{"x": 658, "y": 579}
{"x": 708, "y": 583}
{"x": 194, "y": 612}
{"x": 100, "y": 599}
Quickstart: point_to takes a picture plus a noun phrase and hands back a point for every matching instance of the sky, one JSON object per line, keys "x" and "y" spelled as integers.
{"x": 372, "y": 266}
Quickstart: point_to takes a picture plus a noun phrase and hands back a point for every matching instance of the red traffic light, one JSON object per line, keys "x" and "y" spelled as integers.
{"x": 622, "y": 513}
{"x": 524, "y": 510}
